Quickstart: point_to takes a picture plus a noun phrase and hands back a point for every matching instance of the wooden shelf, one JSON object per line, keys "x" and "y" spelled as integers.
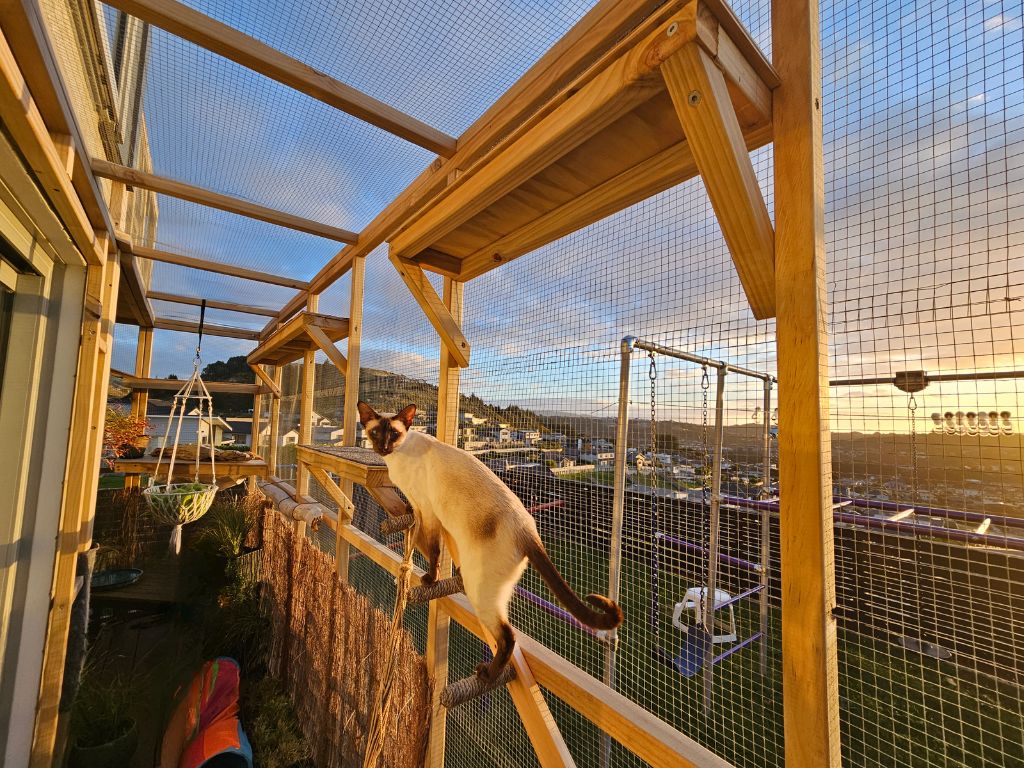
{"x": 299, "y": 336}
{"x": 612, "y": 138}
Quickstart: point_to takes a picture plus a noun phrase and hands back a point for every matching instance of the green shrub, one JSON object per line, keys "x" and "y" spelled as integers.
{"x": 269, "y": 719}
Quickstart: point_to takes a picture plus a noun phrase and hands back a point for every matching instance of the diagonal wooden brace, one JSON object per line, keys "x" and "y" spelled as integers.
{"x": 702, "y": 103}
{"x": 328, "y": 348}
{"x": 435, "y": 310}
{"x": 346, "y": 509}
{"x": 269, "y": 382}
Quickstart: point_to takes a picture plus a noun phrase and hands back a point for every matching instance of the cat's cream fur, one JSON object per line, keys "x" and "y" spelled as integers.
{"x": 491, "y": 536}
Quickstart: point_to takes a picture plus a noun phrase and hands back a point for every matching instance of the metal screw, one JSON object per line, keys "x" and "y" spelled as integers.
{"x": 672, "y": 28}
{"x": 694, "y": 98}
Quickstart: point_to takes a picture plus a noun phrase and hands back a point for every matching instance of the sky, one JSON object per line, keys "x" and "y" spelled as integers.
{"x": 924, "y": 156}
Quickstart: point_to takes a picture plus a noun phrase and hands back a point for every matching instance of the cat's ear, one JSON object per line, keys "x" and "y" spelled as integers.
{"x": 366, "y": 413}
{"x": 406, "y": 415}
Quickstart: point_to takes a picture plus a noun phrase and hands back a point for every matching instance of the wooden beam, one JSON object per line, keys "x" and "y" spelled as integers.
{"x": 257, "y": 422}
{"x": 165, "y": 186}
{"x": 185, "y": 326}
{"x": 652, "y": 740}
{"x": 192, "y": 262}
{"x": 438, "y": 315}
{"x": 306, "y": 400}
{"x": 211, "y": 304}
{"x": 705, "y": 110}
{"x": 183, "y": 21}
{"x": 350, "y": 411}
{"x": 267, "y": 381}
{"x": 140, "y": 397}
{"x": 81, "y": 480}
{"x": 328, "y": 348}
{"x": 133, "y": 282}
{"x": 145, "y": 384}
{"x": 275, "y": 423}
{"x": 810, "y": 678}
{"x": 346, "y": 509}
{"x": 601, "y": 28}
{"x": 32, "y": 137}
{"x": 447, "y": 430}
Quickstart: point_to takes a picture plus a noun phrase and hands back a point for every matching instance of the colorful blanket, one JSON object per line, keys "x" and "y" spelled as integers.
{"x": 205, "y": 731}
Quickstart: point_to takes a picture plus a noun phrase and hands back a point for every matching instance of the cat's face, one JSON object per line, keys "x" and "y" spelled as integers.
{"x": 386, "y": 432}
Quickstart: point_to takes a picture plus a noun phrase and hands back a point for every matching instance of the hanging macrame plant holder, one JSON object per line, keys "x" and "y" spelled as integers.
{"x": 178, "y": 504}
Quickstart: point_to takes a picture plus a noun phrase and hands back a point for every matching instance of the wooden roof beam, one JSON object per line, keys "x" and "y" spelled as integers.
{"x": 213, "y": 266}
{"x": 165, "y": 186}
{"x": 211, "y": 304}
{"x": 590, "y": 38}
{"x": 185, "y": 326}
{"x": 191, "y": 25}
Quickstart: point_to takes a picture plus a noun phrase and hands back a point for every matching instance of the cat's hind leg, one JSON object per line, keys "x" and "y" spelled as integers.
{"x": 489, "y": 588}
{"x": 428, "y": 542}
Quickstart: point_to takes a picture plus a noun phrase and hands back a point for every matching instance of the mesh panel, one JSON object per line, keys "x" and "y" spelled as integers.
{"x": 924, "y": 123}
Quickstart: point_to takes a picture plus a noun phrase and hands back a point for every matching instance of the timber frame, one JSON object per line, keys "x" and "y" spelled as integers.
{"x": 638, "y": 97}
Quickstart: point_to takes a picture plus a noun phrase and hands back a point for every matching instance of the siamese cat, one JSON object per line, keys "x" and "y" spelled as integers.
{"x": 488, "y": 531}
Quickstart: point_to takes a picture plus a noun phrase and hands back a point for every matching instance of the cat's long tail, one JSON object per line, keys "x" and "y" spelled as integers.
{"x": 602, "y": 613}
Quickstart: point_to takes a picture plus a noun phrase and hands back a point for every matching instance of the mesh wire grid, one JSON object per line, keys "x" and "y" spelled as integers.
{"x": 923, "y": 131}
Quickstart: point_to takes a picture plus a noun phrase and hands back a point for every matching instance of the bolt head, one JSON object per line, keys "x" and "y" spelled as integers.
{"x": 694, "y": 98}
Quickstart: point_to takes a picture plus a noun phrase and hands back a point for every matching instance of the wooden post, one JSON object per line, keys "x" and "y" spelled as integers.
{"x": 140, "y": 397}
{"x": 306, "y": 404}
{"x": 275, "y": 421}
{"x": 809, "y": 665}
{"x": 351, "y": 413}
{"x": 81, "y": 481}
{"x": 437, "y": 620}
{"x": 257, "y": 418}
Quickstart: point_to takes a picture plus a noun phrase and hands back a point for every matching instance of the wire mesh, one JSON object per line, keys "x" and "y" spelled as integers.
{"x": 924, "y": 122}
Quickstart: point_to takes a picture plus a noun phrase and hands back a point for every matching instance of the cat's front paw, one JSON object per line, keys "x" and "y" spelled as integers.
{"x": 428, "y": 578}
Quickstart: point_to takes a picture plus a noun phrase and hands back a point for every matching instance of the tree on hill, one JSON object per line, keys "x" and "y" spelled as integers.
{"x": 236, "y": 370}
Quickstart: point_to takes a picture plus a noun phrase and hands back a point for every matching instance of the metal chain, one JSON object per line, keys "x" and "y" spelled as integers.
{"x": 705, "y": 385}
{"x": 912, "y": 409}
{"x": 652, "y": 374}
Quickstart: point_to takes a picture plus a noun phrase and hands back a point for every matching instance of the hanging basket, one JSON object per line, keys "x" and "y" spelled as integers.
{"x": 179, "y": 503}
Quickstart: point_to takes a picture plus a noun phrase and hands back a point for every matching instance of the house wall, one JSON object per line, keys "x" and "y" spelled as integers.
{"x": 36, "y": 397}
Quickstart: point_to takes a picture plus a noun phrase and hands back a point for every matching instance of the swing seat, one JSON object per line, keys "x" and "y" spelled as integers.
{"x": 694, "y": 651}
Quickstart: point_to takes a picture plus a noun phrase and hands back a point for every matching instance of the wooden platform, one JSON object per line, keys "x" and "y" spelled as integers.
{"x": 146, "y": 465}
{"x": 356, "y": 465}
{"x": 611, "y": 139}
{"x": 306, "y": 332}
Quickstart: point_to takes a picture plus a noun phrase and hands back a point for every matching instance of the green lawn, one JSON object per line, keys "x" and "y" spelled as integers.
{"x": 898, "y": 708}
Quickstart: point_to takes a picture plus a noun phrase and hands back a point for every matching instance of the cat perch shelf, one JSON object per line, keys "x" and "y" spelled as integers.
{"x": 687, "y": 93}
{"x": 306, "y": 332}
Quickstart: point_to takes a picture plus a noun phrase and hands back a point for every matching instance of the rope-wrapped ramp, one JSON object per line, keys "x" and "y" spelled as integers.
{"x": 469, "y": 688}
{"x": 427, "y": 592}
{"x": 396, "y": 524}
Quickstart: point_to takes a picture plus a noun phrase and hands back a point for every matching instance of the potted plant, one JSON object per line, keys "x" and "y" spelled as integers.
{"x": 124, "y": 434}
{"x": 105, "y": 735}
